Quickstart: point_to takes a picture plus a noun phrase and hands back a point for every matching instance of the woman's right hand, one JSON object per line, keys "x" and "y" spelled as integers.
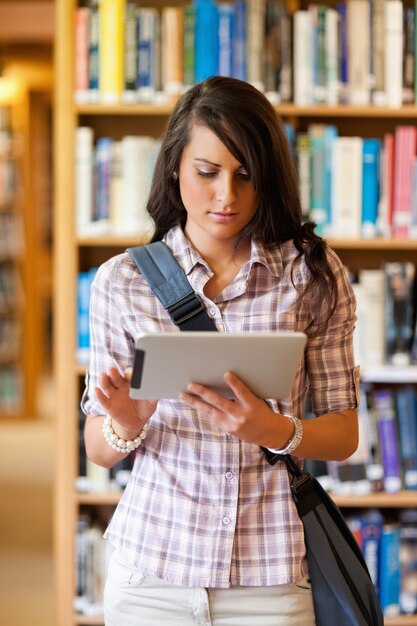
{"x": 128, "y": 416}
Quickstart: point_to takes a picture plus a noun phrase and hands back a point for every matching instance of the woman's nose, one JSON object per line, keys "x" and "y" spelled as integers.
{"x": 226, "y": 190}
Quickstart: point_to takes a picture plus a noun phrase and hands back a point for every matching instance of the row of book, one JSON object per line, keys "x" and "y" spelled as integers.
{"x": 386, "y": 299}
{"x": 356, "y": 187}
{"x": 352, "y": 187}
{"x": 92, "y": 557}
{"x": 113, "y": 180}
{"x": 357, "y": 52}
{"x": 389, "y": 548}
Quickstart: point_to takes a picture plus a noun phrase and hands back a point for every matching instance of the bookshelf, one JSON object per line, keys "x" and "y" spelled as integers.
{"x": 74, "y": 253}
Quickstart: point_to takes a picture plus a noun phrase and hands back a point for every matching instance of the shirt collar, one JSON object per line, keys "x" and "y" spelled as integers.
{"x": 271, "y": 259}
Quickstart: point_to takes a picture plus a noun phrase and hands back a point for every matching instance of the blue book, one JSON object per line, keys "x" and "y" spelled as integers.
{"x": 388, "y": 439}
{"x": 408, "y": 561}
{"x": 371, "y": 529}
{"x": 84, "y": 281}
{"x": 389, "y": 570}
{"x": 330, "y": 134}
{"x": 370, "y": 186}
{"x": 406, "y": 403}
{"x": 226, "y": 17}
{"x": 147, "y": 22}
{"x": 343, "y": 52}
{"x": 240, "y": 40}
{"x": 104, "y": 150}
{"x": 318, "y": 174}
{"x": 206, "y": 39}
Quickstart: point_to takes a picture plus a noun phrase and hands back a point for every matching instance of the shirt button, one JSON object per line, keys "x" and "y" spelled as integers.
{"x": 226, "y": 521}
{"x": 229, "y": 475}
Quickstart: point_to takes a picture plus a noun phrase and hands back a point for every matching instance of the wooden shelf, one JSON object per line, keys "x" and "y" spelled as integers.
{"x": 400, "y": 500}
{"x": 110, "y": 498}
{"x": 111, "y": 240}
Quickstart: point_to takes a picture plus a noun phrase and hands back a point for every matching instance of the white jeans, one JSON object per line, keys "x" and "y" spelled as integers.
{"x": 132, "y": 598}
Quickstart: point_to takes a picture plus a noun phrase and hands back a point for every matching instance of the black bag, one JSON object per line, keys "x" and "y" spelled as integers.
{"x": 343, "y": 592}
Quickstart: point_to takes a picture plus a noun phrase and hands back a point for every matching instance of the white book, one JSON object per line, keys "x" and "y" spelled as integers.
{"x": 303, "y": 69}
{"x": 378, "y": 51}
{"x": 84, "y": 160}
{"x": 347, "y": 187}
{"x": 136, "y": 152}
{"x": 373, "y": 284}
{"x": 393, "y": 53}
{"x": 255, "y": 42}
{"x": 359, "y": 53}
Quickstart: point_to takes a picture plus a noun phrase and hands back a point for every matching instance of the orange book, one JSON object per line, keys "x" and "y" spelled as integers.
{"x": 172, "y": 50}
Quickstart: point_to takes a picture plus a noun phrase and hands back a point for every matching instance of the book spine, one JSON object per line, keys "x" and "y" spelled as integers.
{"x": 347, "y": 187}
{"x": 389, "y": 570}
{"x": 94, "y": 53}
{"x": 130, "y": 52}
{"x": 388, "y": 439}
{"x": 84, "y": 164}
{"x": 406, "y": 400}
{"x": 103, "y": 173}
{"x": 255, "y": 42}
{"x": 370, "y": 187}
{"x": 373, "y": 312}
{"x": 111, "y": 18}
{"x": 172, "y": 28}
{"x": 399, "y": 311}
{"x": 303, "y": 70}
{"x": 189, "y": 45}
{"x": 240, "y": 40}
{"x": 404, "y": 155}
{"x": 408, "y": 56}
{"x": 82, "y": 17}
{"x": 226, "y": 37}
{"x": 146, "y": 22}
{"x": 378, "y": 51}
{"x": 206, "y": 48}
{"x": 393, "y": 52}
{"x": 408, "y": 561}
{"x": 358, "y": 31}
{"x": 331, "y": 57}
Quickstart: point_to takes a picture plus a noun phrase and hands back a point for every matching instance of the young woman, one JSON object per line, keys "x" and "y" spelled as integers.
{"x": 206, "y": 531}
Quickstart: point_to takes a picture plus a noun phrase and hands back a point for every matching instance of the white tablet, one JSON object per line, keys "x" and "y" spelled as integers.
{"x": 166, "y": 362}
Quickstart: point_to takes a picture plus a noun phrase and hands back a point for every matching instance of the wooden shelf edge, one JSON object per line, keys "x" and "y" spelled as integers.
{"x": 402, "y": 499}
{"x": 109, "y": 498}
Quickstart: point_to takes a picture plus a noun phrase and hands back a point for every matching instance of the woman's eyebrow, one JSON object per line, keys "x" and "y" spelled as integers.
{"x": 207, "y": 161}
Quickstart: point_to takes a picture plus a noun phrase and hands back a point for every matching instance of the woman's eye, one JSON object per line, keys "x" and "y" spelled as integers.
{"x": 243, "y": 176}
{"x": 206, "y": 174}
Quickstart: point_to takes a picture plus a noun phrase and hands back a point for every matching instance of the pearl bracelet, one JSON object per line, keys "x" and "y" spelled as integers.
{"x": 119, "y": 444}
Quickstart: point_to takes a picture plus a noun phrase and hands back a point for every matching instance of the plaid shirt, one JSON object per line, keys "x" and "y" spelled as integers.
{"x": 203, "y": 508}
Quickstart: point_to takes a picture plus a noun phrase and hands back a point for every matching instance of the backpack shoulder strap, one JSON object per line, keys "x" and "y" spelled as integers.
{"x": 168, "y": 281}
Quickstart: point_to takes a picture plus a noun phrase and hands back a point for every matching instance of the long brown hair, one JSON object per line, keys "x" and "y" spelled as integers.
{"x": 248, "y": 125}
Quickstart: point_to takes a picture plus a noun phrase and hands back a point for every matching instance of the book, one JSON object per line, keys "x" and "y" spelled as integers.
{"x": 101, "y": 215}
{"x": 206, "y": 39}
{"x": 405, "y": 151}
{"x": 111, "y": 71}
{"x": 148, "y": 62}
{"x": 130, "y": 50}
{"x": 189, "y": 45}
{"x": 399, "y": 311}
{"x": 94, "y": 52}
{"x": 302, "y": 67}
{"x": 408, "y": 55}
{"x": 240, "y": 40}
{"x": 84, "y": 281}
{"x": 371, "y": 529}
{"x": 347, "y": 187}
{"x": 393, "y": 59}
{"x": 408, "y": 561}
{"x": 386, "y": 176}
{"x": 172, "y": 25}
{"x": 226, "y": 27}
{"x": 255, "y": 42}
{"x": 389, "y": 570}
{"x": 84, "y": 165}
{"x": 342, "y": 52}
{"x": 378, "y": 51}
{"x": 318, "y": 213}
{"x": 303, "y": 164}
{"x": 388, "y": 439}
{"x": 82, "y": 17}
{"x": 331, "y": 56}
{"x": 370, "y": 187}
{"x": 358, "y": 50}
{"x": 406, "y": 409}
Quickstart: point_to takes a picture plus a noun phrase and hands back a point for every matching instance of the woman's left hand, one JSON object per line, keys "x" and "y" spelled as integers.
{"x": 247, "y": 417}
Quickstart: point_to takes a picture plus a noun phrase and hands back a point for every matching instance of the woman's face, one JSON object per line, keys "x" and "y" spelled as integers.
{"x": 217, "y": 194}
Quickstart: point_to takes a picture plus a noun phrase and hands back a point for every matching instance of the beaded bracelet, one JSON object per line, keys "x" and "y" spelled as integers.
{"x": 119, "y": 444}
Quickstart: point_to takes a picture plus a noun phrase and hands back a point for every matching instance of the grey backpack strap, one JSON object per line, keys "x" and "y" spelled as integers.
{"x": 169, "y": 283}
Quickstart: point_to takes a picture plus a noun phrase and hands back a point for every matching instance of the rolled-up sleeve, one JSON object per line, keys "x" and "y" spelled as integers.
{"x": 333, "y": 378}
